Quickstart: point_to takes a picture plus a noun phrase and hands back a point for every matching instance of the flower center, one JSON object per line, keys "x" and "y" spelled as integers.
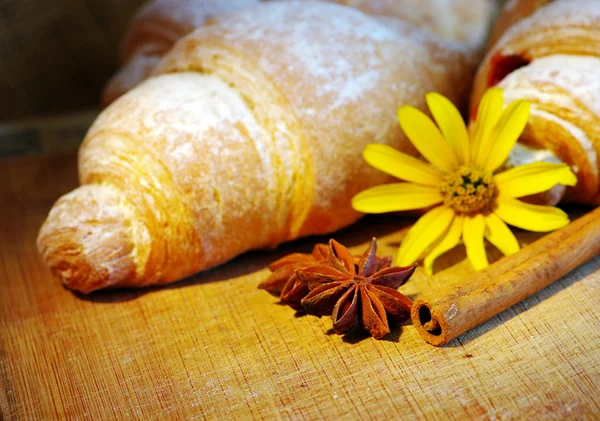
{"x": 469, "y": 190}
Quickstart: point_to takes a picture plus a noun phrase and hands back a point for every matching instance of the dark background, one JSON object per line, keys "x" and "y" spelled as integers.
{"x": 55, "y": 56}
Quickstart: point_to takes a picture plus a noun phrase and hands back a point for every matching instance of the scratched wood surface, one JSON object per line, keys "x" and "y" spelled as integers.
{"x": 215, "y": 347}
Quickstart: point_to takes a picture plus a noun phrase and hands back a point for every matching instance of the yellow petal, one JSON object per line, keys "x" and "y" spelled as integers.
{"x": 451, "y": 240}
{"x": 396, "y": 197}
{"x": 473, "y": 237}
{"x": 488, "y": 114}
{"x": 500, "y": 235}
{"x": 505, "y": 135}
{"x": 401, "y": 165}
{"x": 530, "y": 217}
{"x": 424, "y": 233}
{"x": 451, "y": 124}
{"x": 534, "y": 178}
{"x": 426, "y": 137}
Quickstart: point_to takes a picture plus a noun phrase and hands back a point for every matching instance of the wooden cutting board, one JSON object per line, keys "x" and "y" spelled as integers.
{"x": 216, "y": 347}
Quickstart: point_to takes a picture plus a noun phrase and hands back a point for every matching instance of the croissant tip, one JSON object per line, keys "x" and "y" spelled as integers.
{"x": 68, "y": 261}
{"x": 85, "y": 242}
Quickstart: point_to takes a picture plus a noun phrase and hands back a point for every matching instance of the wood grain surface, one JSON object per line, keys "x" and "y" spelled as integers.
{"x": 216, "y": 347}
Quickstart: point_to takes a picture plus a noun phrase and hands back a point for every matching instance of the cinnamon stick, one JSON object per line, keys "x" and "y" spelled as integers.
{"x": 459, "y": 308}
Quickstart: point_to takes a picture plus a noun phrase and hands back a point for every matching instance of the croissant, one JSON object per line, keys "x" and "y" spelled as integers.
{"x": 159, "y": 24}
{"x": 250, "y": 135}
{"x": 549, "y": 53}
{"x": 511, "y": 14}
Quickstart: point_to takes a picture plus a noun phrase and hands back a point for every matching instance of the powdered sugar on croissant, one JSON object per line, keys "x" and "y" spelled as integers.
{"x": 250, "y": 134}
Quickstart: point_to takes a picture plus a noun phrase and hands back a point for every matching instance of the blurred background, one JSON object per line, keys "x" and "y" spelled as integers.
{"x": 56, "y": 56}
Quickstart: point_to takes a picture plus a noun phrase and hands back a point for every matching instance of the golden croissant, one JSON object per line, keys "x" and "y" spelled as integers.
{"x": 250, "y": 134}
{"x": 548, "y": 52}
{"x": 160, "y": 23}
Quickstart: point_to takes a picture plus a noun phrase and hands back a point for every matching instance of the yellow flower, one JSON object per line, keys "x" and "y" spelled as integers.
{"x": 468, "y": 199}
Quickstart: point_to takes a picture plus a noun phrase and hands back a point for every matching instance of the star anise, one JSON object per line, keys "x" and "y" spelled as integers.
{"x": 284, "y": 283}
{"x": 351, "y": 292}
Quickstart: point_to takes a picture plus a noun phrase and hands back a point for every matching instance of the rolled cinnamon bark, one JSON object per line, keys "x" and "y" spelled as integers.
{"x": 459, "y": 308}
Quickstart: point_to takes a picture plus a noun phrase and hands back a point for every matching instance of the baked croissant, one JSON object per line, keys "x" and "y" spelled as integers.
{"x": 159, "y": 24}
{"x": 548, "y": 52}
{"x": 250, "y": 135}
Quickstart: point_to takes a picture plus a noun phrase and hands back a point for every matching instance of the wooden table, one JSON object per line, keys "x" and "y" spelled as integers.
{"x": 216, "y": 347}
